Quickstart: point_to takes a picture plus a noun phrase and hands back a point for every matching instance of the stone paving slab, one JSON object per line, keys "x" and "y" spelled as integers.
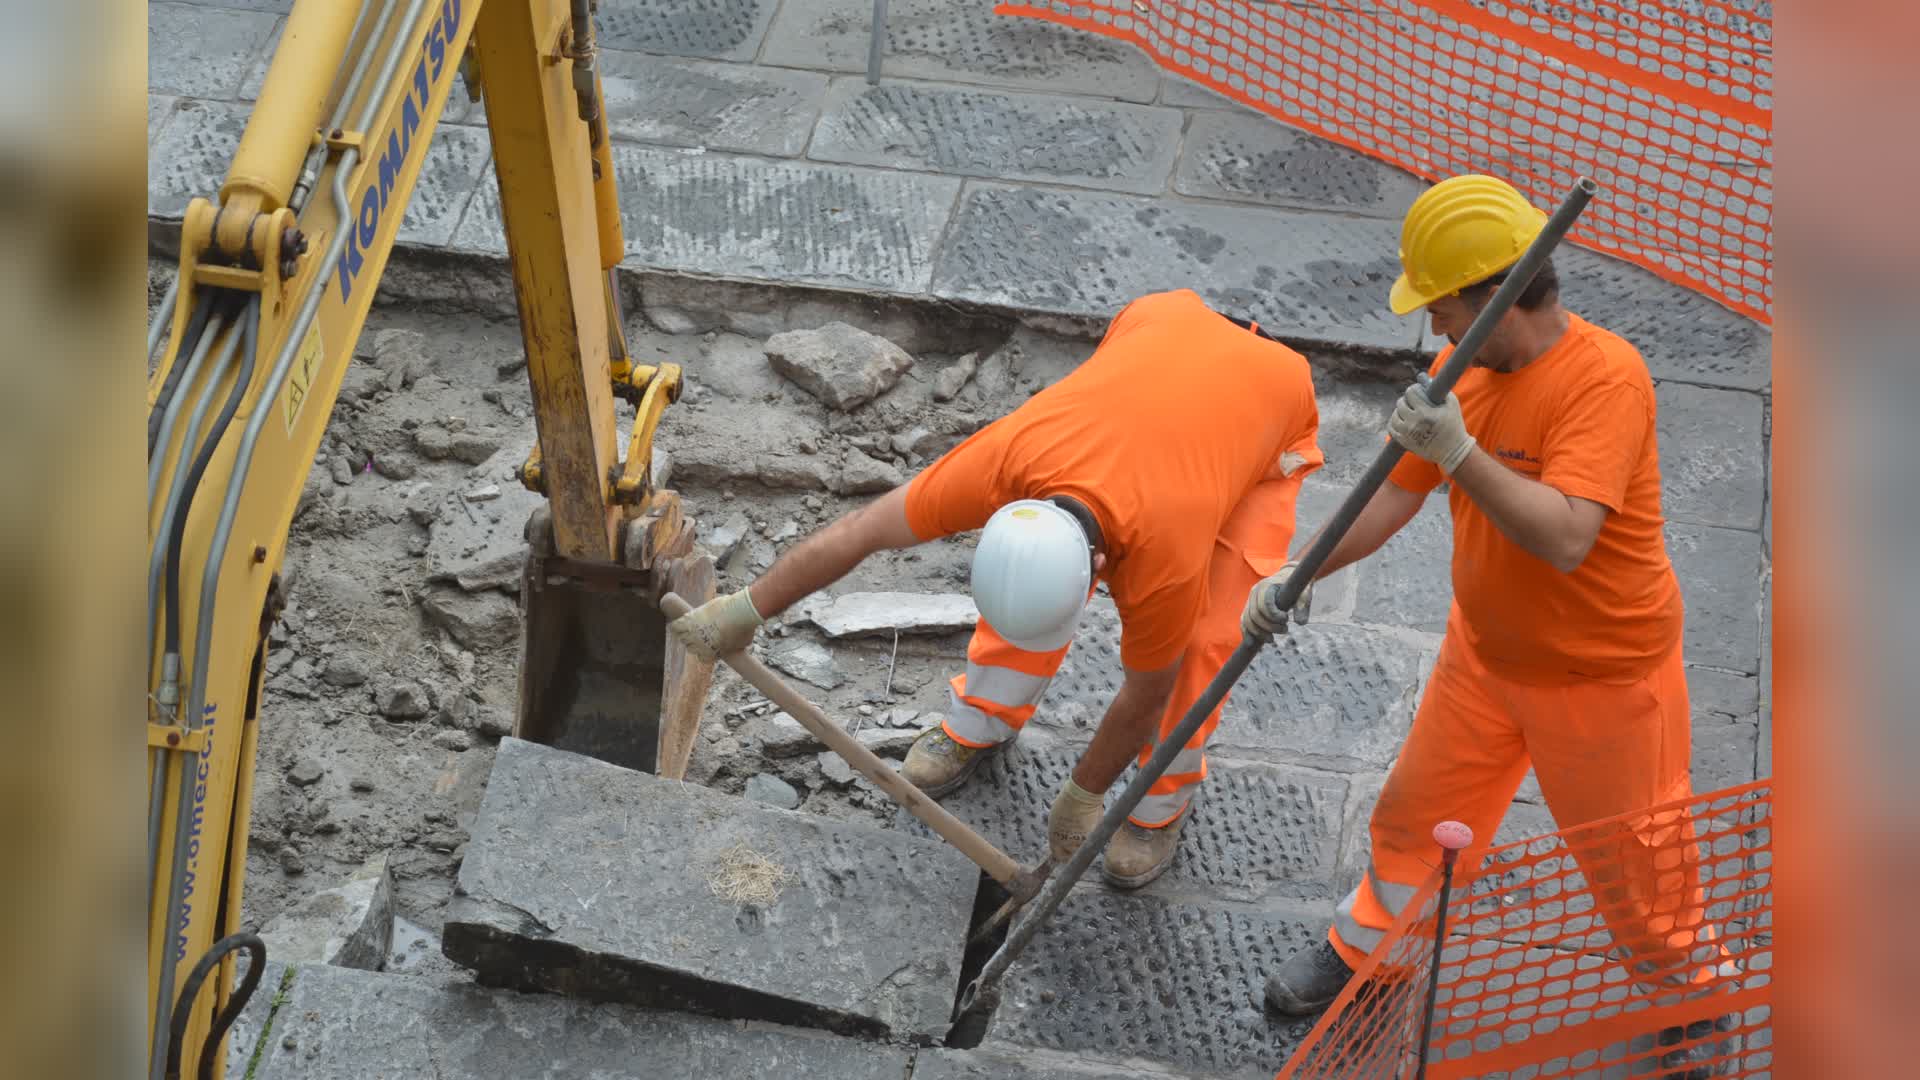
{"x": 968, "y": 131}
{"x": 747, "y": 218}
{"x": 1256, "y": 830}
{"x": 1129, "y": 976}
{"x": 1008, "y": 1062}
{"x": 716, "y": 29}
{"x": 191, "y": 154}
{"x": 1245, "y": 157}
{"x": 959, "y": 42}
{"x": 756, "y": 110}
{"x": 1305, "y": 277}
{"x": 592, "y": 880}
{"x": 204, "y": 52}
{"x": 159, "y": 111}
{"x": 1409, "y": 581}
{"x": 1683, "y": 335}
{"x": 1712, "y": 456}
{"x": 1328, "y": 696}
{"x": 354, "y": 1025}
{"x": 1719, "y": 571}
{"x": 244, "y": 1036}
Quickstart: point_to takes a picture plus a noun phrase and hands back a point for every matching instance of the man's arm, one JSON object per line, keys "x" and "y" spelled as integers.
{"x": 1557, "y": 529}
{"x": 830, "y": 554}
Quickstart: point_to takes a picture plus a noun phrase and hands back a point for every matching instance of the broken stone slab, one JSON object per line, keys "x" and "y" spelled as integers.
{"x": 843, "y": 366}
{"x": 881, "y": 613}
{"x": 349, "y": 925}
{"x": 484, "y": 545}
{"x": 810, "y": 662}
{"x": 835, "y": 769}
{"x": 336, "y": 1024}
{"x": 723, "y": 540}
{"x": 770, "y": 789}
{"x": 954, "y": 377}
{"x": 482, "y": 621}
{"x": 596, "y": 881}
{"x": 863, "y": 475}
{"x": 780, "y": 736}
{"x": 887, "y": 742}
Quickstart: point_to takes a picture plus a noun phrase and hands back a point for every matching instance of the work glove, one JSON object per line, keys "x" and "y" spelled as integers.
{"x": 1075, "y": 812}
{"x": 1263, "y": 617}
{"x": 718, "y": 627}
{"x": 1437, "y": 433}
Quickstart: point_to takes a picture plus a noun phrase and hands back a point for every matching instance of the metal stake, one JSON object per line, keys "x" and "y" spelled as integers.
{"x": 1451, "y": 836}
{"x": 983, "y": 992}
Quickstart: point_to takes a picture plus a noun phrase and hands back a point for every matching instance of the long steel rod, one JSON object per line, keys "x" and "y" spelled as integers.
{"x": 983, "y": 991}
{"x": 998, "y": 864}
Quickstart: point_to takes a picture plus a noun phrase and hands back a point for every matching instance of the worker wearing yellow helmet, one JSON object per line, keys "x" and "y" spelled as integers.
{"x": 1167, "y": 465}
{"x": 1562, "y": 647}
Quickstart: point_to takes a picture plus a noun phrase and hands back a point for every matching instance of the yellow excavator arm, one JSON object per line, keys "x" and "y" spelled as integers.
{"x": 274, "y": 284}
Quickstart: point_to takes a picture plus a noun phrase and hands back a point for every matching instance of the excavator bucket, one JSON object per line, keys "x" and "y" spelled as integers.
{"x": 599, "y": 673}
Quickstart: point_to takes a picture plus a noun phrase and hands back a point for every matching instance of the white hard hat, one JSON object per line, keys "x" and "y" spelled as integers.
{"x": 1032, "y": 573}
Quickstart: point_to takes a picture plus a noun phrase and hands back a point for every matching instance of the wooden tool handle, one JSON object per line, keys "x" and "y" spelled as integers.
{"x": 951, "y": 829}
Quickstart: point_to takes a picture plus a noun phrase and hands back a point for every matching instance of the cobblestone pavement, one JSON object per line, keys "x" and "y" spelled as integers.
{"x": 1035, "y": 170}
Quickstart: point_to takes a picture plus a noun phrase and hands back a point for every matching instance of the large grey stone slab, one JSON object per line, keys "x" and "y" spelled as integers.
{"x": 1683, "y": 335}
{"x": 717, "y": 29}
{"x": 1409, "y": 581}
{"x": 882, "y": 613}
{"x": 1721, "y": 694}
{"x": 1130, "y": 976}
{"x": 192, "y": 153}
{"x": 746, "y": 218}
{"x": 1255, "y": 831}
{"x": 757, "y": 110}
{"x": 973, "y": 132}
{"x": 204, "y": 52}
{"x": 1006, "y": 1062}
{"x": 940, "y": 39}
{"x": 1723, "y": 754}
{"x": 1308, "y": 278}
{"x": 243, "y": 1038}
{"x": 1712, "y": 456}
{"x": 159, "y": 111}
{"x": 588, "y": 879}
{"x": 1249, "y": 158}
{"x": 352, "y": 1025}
{"x": 1326, "y": 695}
{"x": 1719, "y": 572}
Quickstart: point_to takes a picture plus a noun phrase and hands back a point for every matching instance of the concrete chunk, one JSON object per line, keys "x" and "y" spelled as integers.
{"x": 350, "y": 925}
{"x": 843, "y": 366}
{"x": 349, "y": 1025}
{"x": 592, "y": 880}
{"x": 862, "y": 614}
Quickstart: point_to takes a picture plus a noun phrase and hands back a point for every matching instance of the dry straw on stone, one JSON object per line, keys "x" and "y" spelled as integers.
{"x": 744, "y": 876}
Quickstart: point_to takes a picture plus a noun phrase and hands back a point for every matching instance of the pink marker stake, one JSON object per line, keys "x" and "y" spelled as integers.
{"x": 1452, "y": 836}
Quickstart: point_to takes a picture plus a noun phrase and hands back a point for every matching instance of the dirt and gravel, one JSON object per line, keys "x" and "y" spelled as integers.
{"x": 392, "y": 672}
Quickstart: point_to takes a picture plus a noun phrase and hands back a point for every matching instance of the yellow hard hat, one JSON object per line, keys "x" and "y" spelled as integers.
{"x": 1460, "y": 231}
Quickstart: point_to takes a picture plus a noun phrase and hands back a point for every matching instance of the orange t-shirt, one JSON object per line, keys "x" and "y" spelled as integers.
{"x": 1579, "y": 419}
{"x": 1175, "y": 416}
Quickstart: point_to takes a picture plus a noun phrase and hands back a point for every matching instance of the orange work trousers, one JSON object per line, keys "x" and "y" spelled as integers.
{"x": 1599, "y": 750}
{"x": 1003, "y": 684}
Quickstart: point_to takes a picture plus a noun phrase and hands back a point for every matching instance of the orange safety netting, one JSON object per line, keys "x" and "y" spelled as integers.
{"x": 1641, "y": 945}
{"x": 1667, "y": 104}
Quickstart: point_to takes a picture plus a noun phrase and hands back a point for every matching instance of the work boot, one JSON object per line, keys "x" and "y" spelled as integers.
{"x": 1308, "y": 981}
{"x": 1137, "y": 854}
{"x": 936, "y": 764}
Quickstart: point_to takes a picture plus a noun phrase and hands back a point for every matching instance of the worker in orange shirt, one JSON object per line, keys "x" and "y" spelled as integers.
{"x": 1167, "y": 464}
{"x": 1562, "y": 647}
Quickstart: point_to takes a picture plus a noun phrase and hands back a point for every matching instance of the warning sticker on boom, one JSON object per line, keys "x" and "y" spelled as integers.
{"x": 300, "y": 379}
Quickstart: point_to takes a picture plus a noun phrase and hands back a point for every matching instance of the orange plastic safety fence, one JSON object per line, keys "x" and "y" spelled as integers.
{"x": 1667, "y": 104}
{"x": 1637, "y": 946}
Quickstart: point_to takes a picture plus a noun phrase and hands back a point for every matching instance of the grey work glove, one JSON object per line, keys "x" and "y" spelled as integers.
{"x": 1075, "y": 812}
{"x": 1437, "y": 433}
{"x": 1262, "y": 617}
{"x": 719, "y": 627}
